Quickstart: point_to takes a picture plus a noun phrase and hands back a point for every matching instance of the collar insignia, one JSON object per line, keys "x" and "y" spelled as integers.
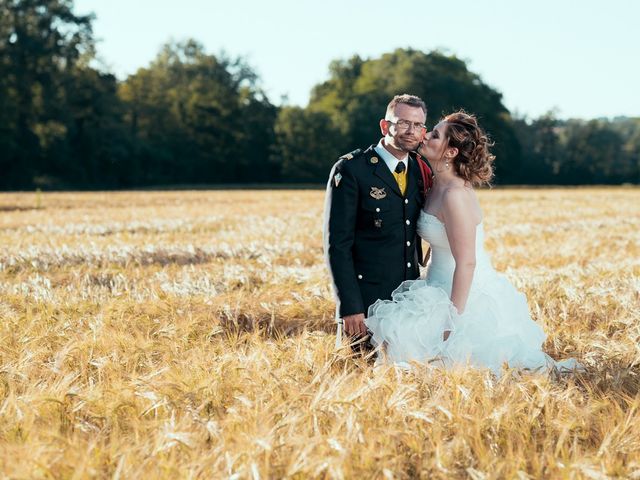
{"x": 336, "y": 178}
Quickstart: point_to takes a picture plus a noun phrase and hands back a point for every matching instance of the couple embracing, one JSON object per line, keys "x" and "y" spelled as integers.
{"x": 380, "y": 203}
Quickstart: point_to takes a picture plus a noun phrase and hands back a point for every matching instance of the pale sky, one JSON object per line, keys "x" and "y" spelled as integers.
{"x": 581, "y": 58}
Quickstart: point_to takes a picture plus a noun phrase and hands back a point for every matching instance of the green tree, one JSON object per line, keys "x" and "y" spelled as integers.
{"x": 305, "y": 141}
{"x": 632, "y": 150}
{"x": 593, "y": 153}
{"x": 197, "y": 118}
{"x": 629, "y": 131}
{"x": 97, "y": 139}
{"x": 542, "y": 150}
{"x": 357, "y": 92}
{"x": 41, "y": 43}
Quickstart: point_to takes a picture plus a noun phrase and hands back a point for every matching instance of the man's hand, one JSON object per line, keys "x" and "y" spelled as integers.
{"x": 354, "y": 325}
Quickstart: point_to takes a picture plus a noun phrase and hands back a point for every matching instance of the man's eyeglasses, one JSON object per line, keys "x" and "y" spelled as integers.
{"x": 404, "y": 125}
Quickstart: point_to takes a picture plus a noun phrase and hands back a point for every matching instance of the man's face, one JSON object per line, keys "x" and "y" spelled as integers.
{"x": 404, "y": 129}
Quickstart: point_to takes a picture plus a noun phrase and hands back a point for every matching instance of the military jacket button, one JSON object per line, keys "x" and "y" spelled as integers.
{"x": 409, "y": 264}
{"x": 359, "y": 277}
{"x": 408, "y": 244}
{"x": 406, "y": 200}
{"x": 408, "y": 222}
{"x": 377, "y": 209}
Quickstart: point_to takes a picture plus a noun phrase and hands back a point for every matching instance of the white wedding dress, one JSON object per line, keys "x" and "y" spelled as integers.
{"x": 494, "y": 330}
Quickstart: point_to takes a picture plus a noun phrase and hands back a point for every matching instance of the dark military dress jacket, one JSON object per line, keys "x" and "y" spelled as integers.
{"x": 370, "y": 229}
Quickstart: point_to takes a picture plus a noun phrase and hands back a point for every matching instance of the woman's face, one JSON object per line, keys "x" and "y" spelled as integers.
{"x": 435, "y": 143}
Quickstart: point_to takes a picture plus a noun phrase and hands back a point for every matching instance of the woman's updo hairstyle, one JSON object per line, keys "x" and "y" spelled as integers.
{"x": 474, "y": 162}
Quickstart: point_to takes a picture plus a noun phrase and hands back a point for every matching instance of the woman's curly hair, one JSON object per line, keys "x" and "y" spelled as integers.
{"x": 474, "y": 162}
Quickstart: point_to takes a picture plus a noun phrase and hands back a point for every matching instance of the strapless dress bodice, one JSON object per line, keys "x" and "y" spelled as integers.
{"x": 442, "y": 263}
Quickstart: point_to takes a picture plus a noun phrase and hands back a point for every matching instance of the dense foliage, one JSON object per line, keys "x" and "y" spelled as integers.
{"x": 195, "y": 118}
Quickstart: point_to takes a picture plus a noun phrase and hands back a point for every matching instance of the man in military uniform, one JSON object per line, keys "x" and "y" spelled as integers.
{"x": 373, "y": 201}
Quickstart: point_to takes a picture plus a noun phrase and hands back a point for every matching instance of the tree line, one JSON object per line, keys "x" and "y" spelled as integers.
{"x": 191, "y": 117}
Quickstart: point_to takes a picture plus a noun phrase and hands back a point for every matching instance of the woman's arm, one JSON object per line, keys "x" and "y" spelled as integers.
{"x": 461, "y": 231}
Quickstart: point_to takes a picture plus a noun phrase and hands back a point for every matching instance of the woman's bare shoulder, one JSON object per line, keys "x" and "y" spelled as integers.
{"x": 458, "y": 194}
{"x": 461, "y": 200}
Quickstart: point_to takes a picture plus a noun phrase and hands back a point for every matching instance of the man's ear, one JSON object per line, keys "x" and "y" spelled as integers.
{"x": 384, "y": 127}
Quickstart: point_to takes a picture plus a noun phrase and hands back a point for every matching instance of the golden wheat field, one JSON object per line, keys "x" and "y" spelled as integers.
{"x": 191, "y": 335}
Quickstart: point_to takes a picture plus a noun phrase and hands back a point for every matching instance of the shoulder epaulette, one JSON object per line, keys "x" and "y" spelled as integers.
{"x": 350, "y": 155}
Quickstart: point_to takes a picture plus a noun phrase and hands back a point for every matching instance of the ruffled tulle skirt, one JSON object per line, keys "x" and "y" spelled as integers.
{"x": 494, "y": 331}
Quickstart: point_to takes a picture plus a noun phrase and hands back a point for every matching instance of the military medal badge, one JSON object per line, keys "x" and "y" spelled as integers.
{"x": 377, "y": 193}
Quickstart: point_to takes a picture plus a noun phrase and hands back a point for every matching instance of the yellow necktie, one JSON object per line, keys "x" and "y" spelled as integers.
{"x": 400, "y": 175}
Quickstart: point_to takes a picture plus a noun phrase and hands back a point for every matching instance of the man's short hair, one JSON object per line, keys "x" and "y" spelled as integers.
{"x": 411, "y": 100}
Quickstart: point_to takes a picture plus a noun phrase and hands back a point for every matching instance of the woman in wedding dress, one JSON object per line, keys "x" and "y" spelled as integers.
{"x": 463, "y": 312}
